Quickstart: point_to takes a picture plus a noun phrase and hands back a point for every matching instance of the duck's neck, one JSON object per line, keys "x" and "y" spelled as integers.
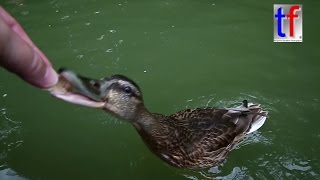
{"x": 144, "y": 120}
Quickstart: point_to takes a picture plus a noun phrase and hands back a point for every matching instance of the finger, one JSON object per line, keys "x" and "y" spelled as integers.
{"x": 16, "y": 27}
{"x": 19, "y": 55}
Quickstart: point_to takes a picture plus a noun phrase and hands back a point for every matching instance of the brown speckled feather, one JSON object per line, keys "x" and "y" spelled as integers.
{"x": 197, "y": 138}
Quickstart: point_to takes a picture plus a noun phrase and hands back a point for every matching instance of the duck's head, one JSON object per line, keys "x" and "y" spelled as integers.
{"x": 116, "y": 94}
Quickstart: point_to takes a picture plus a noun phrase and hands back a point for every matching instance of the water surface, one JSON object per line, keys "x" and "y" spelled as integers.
{"x": 183, "y": 54}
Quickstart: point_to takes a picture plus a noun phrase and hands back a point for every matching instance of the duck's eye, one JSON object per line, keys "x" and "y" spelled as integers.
{"x": 127, "y": 89}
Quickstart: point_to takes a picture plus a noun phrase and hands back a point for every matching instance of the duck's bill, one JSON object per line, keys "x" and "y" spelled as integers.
{"x": 77, "y": 90}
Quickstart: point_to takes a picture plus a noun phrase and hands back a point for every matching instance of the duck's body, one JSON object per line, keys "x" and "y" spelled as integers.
{"x": 198, "y": 138}
{"x": 192, "y": 138}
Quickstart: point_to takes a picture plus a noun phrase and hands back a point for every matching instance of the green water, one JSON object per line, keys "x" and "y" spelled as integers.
{"x": 182, "y": 54}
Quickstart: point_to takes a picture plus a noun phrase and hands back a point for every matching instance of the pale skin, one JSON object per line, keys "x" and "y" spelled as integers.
{"x": 19, "y": 55}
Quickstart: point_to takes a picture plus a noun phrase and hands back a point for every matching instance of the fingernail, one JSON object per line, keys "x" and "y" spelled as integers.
{"x": 50, "y": 78}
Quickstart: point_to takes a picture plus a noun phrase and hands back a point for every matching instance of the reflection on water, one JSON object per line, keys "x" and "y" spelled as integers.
{"x": 9, "y": 174}
{"x": 270, "y": 166}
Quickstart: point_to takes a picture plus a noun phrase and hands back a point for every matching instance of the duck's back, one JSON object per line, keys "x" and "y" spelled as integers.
{"x": 198, "y": 138}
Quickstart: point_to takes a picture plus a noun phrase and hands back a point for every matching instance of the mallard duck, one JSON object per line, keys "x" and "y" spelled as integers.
{"x": 191, "y": 138}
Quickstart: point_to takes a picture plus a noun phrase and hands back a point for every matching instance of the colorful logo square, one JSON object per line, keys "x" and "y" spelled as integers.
{"x": 287, "y": 22}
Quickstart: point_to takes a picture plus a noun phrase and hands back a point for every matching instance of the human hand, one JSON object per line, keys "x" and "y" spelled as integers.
{"x": 19, "y": 55}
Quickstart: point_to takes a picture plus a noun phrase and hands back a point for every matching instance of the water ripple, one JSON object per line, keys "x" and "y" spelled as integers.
{"x": 8, "y": 129}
